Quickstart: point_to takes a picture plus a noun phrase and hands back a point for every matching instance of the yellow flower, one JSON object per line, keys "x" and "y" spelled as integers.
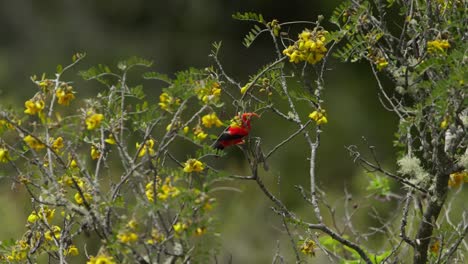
{"x": 438, "y": 46}
{"x": 57, "y": 144}
{"x": 147, "y": 147}
{"x": 200, "y": 231}
{"x": 193, "y": 165}
{"x": 457, "y": 178}
{"x": 319, "y": 117}
{"x": 95, "y": 153}
{"x": 65, "y": 95}
{"x": 101, "y": 259}
{"x": 127, "y": 237}
{"x": 307, "y": 247}
{"x": 110, "y": 140}
{"x": 93, "y": 120}
{"x": 33, "y": 143}
{"x": 444, "y": 124}
{"x": 132, "y": 224}
{"x": 382, "y": 63}
{"x": 73, "y": 164}
{"x": 72, "y": 251}
{"x": 199, "y": 134}
{"x": 186, "y": 129}
{"x": 34, "y": 106}
{"x": 32, "y": 218}
{"x": 55, "y": 232}
{"x": 275, "y": 26}
{"x": 149, "y": 191}
{"x": 4, "y": 156}
{"x": 211, "y": 120}
{"x": 202, "y": 135}
{"x": 167, "y": 102}
{"x": 180, "y": 227}
{"x": 79, "y": 198}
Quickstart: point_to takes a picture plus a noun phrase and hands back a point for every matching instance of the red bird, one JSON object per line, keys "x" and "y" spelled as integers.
{"x": 235, "y": 133}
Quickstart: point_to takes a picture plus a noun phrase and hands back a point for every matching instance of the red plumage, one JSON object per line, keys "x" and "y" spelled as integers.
{"x": 235, "y": 134}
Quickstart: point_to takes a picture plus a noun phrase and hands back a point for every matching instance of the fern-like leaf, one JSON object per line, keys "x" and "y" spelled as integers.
{"x": 157, "y": 76}
{"x": 249, "y": 16}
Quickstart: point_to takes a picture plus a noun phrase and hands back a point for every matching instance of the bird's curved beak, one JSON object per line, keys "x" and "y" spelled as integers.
{"x": 250, "y": 114}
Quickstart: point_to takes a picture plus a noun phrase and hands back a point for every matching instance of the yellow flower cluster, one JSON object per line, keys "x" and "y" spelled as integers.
{"x": 95, "y": 153}
{"x": 33, "y": 143}
{"x": 148, "y": 147}
{"x": 307, "y": 247}
{"x": 8, "y": 125}
{"x": 79, "y": 199}
{"x": 156, "y": 237}
{"x": 34, "y": 106}
{"x": 93, "y": 120}
{"x": 438, "y": 46}
{"x": 167, "y": 190}
{"x": 57, "y": 144}
{"x": 127, "y": 237}
{"x": 69, "y": 181}
{"x": 210, "y": 120}
{"x": 43, "y": 212}
{"x": 319, "y": 117}
{"x": 193, "y": 165}
{"x": 4, "y": 155}
{"x": 168, "y": 103}
{"x": 101, "y": 259}
{"x": 54, "y": 232}
{"x": 457, "y": 178}
{"x": 72, "y": 251}
{"x": 310, "y": 47}
{"x": 199, "y": 133}
{"x": 65, "y": 95}
{"x": 180, "y": 227}
{"x": 164, "y": 190}
{"x": 19, "y": 252}
{"x": 209, "y": 93}
{"x": 149, "y": 189}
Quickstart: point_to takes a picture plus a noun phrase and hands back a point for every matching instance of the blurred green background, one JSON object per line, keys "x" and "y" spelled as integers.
{"x": 177, "y": 34}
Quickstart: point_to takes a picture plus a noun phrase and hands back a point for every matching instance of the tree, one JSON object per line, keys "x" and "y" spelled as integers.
{"x": 114, "y": 167}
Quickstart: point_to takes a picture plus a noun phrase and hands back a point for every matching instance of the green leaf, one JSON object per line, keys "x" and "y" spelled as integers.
{"x": 157, "y": 76}
{"x": 379, "y": 184}
{"x": 249, "y": 16}
{"x": 133, "y": 61}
